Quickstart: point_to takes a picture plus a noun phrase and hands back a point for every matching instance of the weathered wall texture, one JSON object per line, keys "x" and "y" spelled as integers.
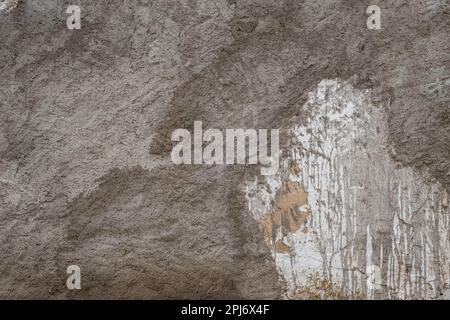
{"x": 360, "y": 204}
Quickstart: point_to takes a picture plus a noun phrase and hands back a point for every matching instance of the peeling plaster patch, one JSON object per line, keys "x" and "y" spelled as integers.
{"x": 341, "y": 207}
{"x": 288, "y": 213}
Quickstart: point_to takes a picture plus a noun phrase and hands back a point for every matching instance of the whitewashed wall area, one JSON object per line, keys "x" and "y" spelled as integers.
{"x": 342, "y": 208}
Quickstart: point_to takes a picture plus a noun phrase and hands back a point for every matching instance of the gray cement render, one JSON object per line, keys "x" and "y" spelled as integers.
{"x": 86, "y": 117}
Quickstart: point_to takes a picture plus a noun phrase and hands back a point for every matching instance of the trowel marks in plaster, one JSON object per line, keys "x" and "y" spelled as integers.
{"x": 341, "y": 207}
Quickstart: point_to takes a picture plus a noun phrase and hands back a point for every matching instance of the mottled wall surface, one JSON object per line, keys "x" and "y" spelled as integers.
{"x": 360, "y": 200}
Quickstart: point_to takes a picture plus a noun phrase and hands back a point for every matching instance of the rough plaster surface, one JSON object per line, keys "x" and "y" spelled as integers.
{"x": 85, "y": 171}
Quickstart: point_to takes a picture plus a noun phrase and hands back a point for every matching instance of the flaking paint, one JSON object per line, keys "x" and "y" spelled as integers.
{"x": 369, "y": 225}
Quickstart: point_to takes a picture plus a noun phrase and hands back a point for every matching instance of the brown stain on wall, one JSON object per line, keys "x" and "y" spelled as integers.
{"x": 286, "y": 214}
{"x": 282, "y": 247}
{"x": 294, "y": 168}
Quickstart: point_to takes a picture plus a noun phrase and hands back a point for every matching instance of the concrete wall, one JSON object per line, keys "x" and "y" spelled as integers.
{"x": 359, "y": 208}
